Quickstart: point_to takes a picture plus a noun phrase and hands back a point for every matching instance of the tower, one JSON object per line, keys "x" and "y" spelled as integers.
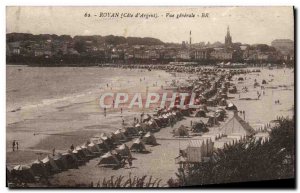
{"x": 228, "y": 39}
{"x": 190, "y": 37}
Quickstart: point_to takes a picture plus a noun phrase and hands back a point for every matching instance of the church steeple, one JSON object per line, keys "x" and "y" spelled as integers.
{"x": 228, "y": 39}
{"x": 228, "y": 31}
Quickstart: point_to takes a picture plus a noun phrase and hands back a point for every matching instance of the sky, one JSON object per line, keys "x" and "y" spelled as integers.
{"x": 247, "y": 24}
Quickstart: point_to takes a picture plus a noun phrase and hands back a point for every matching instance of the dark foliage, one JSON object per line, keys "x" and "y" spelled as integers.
{"x": 247, "y": 161}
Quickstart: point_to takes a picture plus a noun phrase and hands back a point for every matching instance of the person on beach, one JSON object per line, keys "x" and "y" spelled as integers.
{"x": 13, "y": 145}
{"x": 17, "y": 145}
{"x": 104, "y": 111}
{"x": 72, "y": 147}
{"x": 53, "y": 151}
{"x": 121, "y": 110}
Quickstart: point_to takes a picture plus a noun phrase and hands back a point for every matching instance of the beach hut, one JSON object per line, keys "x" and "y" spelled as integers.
{"x": 149, "y": 139}
{"x": 50, "y": 164}
{"x": 196, "y": 151}
{"x": 138, "y": 146}
{"x": 181, "y": 132}
{"x": 109, "y": 159}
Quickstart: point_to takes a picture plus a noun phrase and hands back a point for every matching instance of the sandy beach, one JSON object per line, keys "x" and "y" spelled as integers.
{"x": 65, "y": 110}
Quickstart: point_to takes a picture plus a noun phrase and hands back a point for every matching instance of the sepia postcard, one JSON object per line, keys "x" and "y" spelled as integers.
{"x": 150, "y": 97}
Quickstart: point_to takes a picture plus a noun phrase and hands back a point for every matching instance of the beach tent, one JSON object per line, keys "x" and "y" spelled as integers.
{"x": 145, "y": 118}
{"x": 130, "y": 131}
{"x": 238, "y": 126}
{"x": 164, "y": 120}
{"x": 142, "y": 127}
{"x": 107, "y": 139}
{"x": 38, "y": 168}
{"x": 138, "y": 146}
{"x": 80, "y": 159}
{"x": 219, "y": 116}
{"x": 212, "y": 120}
{"x": 158, "y": 122}
{"x": 199, "y": 127}
{"x": 232, "y": 90}
{"x": 109, "y": 159}
{"x": 50, "y": 164}
{"x": 86, "y": 151}
{"x": 153, "y": 125}
{"x": 178, "y": 114}
{"x": 231, "y": 106}
{"x": 124, "y": 151}
{"x": 94, "y": 148}
{"x": 200, "y": 113}
{"x": 223, "y": 102}
{"x": 75, "y": 157}
{"x": 181, "y": 131}
{"x": 149, "y": 139}
{"x": 69, "y": 160}
{"x": 23, "y": 172}
{"x": 100, "y": 143}
{"x": 204, "y": 108}
{"x": 185, "y": 111}
{"x": 119, "y": 136}
{"x": 78, "y": 152}
{"x": 59, "y": 161}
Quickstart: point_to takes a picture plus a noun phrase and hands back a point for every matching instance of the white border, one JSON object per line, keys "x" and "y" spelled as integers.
{"x": 5, "y": 3}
